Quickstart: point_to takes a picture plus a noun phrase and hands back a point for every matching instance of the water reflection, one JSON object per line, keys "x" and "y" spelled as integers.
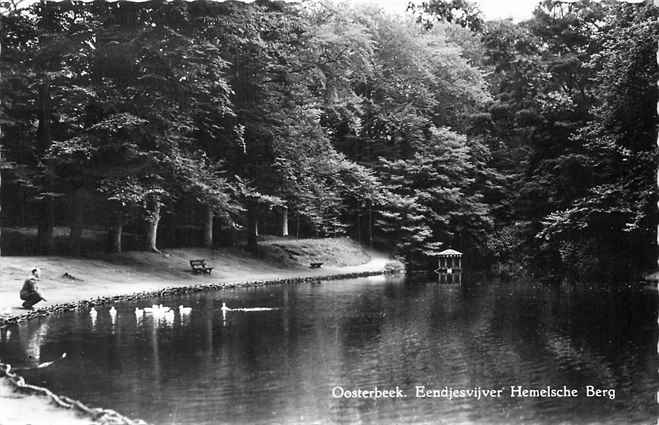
{"x": 139, "y": 317}
{"x": 32, "y": 343}
{"x": 93, "y": 315}
{"x": 450, "y": 278}
{"x": 194, "y": 365}
{"x": 5, "y": 334}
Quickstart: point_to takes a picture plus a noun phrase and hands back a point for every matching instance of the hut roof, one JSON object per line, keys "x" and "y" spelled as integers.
{"x": 448, "y": 252}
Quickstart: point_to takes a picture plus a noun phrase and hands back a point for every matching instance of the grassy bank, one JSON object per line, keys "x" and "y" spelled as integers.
{"x": 67, "y": 279}
{"x": 106, "y": 277}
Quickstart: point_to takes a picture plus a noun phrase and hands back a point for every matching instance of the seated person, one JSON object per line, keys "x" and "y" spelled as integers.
{"x": 30, "y": 292}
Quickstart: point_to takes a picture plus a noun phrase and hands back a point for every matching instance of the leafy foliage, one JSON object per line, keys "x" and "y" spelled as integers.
{"x": 526, "y": 144}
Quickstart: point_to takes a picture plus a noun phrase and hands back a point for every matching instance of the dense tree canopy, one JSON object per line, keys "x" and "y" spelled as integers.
{"x": 528, "y": 145}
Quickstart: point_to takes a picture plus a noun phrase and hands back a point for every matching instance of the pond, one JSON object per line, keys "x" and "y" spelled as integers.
{"x": 300, "y": 362}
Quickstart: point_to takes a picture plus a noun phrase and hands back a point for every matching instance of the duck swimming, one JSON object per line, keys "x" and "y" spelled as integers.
{"x": 113, "y": 315}
{"x": 224, "y": 309}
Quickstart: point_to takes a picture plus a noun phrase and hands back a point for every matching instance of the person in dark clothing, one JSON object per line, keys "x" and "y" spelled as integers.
{"x": 30, "y": 291}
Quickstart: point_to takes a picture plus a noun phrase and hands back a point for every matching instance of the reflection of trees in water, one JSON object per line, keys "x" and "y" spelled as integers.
{"x": 415, "y": 343}
{"x": 31, "y": 336}
{"x": 353, "y": 334}
{"x": 22, "y": 344}
{"x": 575, "y": 359}
{"x": 563, "y": 337}
{"x": 521, "y": 334}
{"x": 600, "y": 336}
{"x": 502, "y": 336}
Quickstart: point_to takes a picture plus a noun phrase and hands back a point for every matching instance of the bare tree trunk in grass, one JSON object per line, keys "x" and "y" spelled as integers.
{"x": 370, "y": 226}
{"x": 116, "y": 234}
{"x": 208, "y": 227}
{"x": 284, "y": 221}
{"x": 297, "y": 226}
{"x": 359, "y": 228}
{"x": 252, "y": 229}
{"x": 75, "y": 233}
{"x": 152, "y": 221}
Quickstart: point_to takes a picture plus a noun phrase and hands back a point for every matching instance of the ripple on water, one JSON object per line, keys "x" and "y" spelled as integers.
{"x": 280, "y": 366}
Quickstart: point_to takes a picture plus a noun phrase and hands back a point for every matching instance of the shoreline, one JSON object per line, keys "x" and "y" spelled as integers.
{"x": 184, "y": 288}
{"x": 17, "y": 396}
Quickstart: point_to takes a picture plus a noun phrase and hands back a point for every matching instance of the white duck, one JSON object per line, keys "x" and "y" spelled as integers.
{"x": 113, "y": 315}
{"x": 168, "y": 317}
{"x": 92, "y": 315}
{"x": 224, "y": 309}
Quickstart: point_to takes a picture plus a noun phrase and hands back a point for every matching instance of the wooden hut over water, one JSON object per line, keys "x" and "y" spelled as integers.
{"x": 449, "y": 266}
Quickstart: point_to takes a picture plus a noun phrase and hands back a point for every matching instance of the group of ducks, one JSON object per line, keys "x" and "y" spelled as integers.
{"x": 167, "y": 313}
{"x": 156, "y": 310}
{"x": 160, "y": 310}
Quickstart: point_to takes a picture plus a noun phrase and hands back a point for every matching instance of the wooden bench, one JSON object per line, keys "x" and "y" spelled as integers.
{"x": 199, "y": 266}
{"x": 315, "y": 265}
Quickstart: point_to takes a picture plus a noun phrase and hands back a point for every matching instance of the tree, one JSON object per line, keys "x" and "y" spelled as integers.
{"x": 438, "y": 203}
{"x": 417, "y": 84}
{"x": 460, "y": 12}
{"x": 606, "y": 232}
{"x": 151, "y": 74}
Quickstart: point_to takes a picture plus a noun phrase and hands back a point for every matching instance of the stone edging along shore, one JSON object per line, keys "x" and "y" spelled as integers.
{"x": 179, "y": 290}
{"x": 107, "y": 416}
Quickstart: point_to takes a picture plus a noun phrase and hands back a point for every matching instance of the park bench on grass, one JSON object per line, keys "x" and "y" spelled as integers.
{"x": 199, "y": 266}
{"x": 315, "y": 265}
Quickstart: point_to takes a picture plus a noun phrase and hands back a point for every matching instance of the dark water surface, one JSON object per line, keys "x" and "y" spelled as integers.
{"x": 281, "y": 366}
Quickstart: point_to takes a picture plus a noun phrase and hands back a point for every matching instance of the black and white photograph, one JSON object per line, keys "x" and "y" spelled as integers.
{"x": 319, "y": 212}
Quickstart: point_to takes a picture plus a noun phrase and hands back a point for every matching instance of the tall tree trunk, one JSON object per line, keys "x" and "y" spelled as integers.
{"x": 75, "y": 233}
{"x": 284, "y": 221}
{"x": 1, "y": 148}
{"x": 47, "y": 216}
{"x": 208, "y": 227}
{"x": 297, "y": 226}
{"x": 359, "y": 228}
{"x": 1, "y": 221}
{"x": 116, "y": 234}
{"x": 370, "y": 226}
{"x": 252, "y": 229}
{"x": 152, "y": 220}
